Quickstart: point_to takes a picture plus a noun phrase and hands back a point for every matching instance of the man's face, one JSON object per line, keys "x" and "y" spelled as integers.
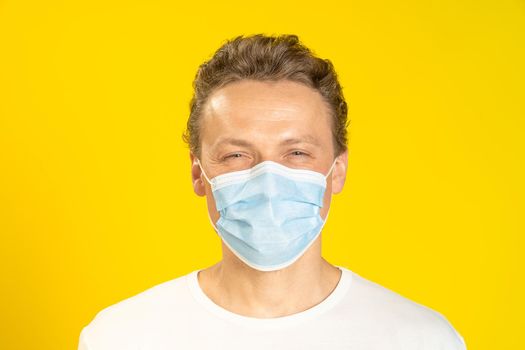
{"x": 247, "y": 122}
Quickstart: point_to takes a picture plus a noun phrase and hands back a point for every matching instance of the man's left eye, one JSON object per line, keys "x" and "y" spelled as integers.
{"x": 298, "y": 153}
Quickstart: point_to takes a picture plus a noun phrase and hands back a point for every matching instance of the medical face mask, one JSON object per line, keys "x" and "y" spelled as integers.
{"x": 269, "y": 214}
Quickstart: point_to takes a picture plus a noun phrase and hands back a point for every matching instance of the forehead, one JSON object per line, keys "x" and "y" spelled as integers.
{"x": 262, "y": 108}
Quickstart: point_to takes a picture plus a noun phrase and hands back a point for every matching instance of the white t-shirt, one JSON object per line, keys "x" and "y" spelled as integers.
{"x": 359, "y": 314}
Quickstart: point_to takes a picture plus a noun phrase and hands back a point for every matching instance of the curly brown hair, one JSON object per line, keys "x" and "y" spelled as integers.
{"x": 271, "y": 58}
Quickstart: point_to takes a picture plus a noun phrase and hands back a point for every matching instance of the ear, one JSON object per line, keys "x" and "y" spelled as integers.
{"x": 197, "y": 178}
{"x": 339, "y": 172}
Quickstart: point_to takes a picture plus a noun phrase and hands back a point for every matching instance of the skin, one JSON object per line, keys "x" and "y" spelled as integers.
{"x": 263, "y": 115}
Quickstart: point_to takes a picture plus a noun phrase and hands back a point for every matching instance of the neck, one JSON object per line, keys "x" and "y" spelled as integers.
{"x": 243, "y": 290}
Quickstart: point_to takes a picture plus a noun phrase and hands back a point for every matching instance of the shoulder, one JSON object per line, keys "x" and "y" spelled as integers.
{"x": 400, "y": 319}
{"x": 128, "y": 320}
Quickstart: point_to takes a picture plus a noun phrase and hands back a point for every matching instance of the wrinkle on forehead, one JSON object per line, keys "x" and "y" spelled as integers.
{"x": 264, "y": 109}
{"x": 248, "y": 106}
{"x": 222, "y": 102}
{"x": 243, "y": 91}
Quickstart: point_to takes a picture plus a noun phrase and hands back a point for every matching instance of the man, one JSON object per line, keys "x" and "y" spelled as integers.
{"x": 268, "y": 148}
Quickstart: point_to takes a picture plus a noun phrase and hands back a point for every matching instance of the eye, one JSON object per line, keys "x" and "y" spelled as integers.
{"x": 299, "y": 153}
{"x": 233, "y": 155}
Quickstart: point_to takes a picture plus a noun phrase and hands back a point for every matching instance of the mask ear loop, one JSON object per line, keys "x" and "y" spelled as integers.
{"x": 200, "y": 166}
{"x": 328, "y": 212}
{"x": 331, "y": 168}
{"x": 209, "y": 217}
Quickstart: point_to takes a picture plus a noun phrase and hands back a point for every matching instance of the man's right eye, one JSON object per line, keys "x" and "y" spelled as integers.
{"x": 233, "y": 155}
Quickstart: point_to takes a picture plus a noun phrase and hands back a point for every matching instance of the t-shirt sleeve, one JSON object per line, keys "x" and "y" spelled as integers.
{"x": 434, "y": 332}
{"x": 449, "y": 337}
{"x": 82, "y": 340}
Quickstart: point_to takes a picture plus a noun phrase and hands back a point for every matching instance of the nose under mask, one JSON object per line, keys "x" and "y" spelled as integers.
{"x": 269, "y": 214}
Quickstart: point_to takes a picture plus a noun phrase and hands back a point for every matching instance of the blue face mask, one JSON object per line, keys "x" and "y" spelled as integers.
{"x": 269, "y": 214}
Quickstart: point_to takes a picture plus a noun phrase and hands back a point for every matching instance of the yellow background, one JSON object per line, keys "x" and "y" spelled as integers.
{"x": 96, "y": 202}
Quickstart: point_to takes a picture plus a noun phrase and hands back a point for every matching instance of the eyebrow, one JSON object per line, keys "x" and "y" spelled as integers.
{"x": 289, "y": 141}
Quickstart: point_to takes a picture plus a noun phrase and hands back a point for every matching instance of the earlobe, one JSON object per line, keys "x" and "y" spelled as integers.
{"x": 199, "y": 187}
